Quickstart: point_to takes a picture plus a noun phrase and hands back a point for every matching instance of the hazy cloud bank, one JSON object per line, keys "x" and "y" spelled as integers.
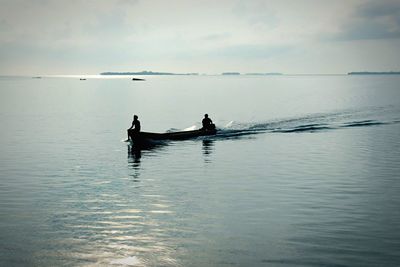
{"x": 304, "y": 36}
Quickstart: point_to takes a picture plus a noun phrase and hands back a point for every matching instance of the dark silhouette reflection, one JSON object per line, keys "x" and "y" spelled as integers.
{"x": 134, "y": 156}
{"x": 208, "y": 147}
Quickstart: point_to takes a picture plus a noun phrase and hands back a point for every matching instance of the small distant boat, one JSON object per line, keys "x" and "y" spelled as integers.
{"x": 37, "y": 77}
{"x": 82, "y": 79}
{"x": 137, "y": 79}
{"x": 148, "y": 137}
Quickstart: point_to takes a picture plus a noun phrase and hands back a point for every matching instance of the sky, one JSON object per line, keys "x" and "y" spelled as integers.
{"x": 39, "y": 37}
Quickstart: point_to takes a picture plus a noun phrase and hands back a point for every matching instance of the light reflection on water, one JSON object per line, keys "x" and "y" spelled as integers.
{"x": 116, "y": 232}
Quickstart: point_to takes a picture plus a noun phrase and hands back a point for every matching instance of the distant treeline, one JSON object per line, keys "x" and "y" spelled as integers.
{"x": 252, "y": 73}
{"x": 268, "y": 73}
{"x": 146, "y": 73}
{"x": 194, "y": 73}
{"x": 373, "y": 73}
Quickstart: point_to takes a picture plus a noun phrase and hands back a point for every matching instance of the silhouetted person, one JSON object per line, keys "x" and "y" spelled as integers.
{"x": 207, "y": 123}
{"x": 135, "y": 128}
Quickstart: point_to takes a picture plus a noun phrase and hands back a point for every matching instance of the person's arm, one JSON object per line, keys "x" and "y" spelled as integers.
{"x": 131, "y": 126}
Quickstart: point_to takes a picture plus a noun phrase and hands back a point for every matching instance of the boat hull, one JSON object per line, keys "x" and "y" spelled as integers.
{"x": 143, "y": 137}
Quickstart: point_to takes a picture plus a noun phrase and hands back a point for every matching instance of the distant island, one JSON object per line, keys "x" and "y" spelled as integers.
{"x": 267, "y": 73}
{"x": 231, "y": 73}
{"x": 145, "y": 73}
{"x": 374, "y": 73}
{"x": 253, "y": 73}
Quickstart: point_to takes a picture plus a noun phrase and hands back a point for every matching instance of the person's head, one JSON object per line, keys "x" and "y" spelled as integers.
{"x": 205, "y": 115}
{"x": 135, "y": 117}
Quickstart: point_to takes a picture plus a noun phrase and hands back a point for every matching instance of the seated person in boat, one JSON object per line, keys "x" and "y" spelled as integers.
{"x": 207, "y": 123}
{"x": 135, "y": 128}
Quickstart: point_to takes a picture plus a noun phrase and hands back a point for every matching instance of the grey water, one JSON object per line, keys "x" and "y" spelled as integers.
{"x": 304, "y": 171}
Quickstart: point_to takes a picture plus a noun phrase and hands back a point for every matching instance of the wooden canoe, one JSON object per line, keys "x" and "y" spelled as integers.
{"x": 142, "y": 137}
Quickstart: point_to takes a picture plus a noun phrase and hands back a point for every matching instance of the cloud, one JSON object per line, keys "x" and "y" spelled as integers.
{"x": 260, "y": 14}
{"x": 216, "y": 37}
{"x": 371, "y": 21}
{"x": 252, "y": 51}
{"x": 378, "y": 9}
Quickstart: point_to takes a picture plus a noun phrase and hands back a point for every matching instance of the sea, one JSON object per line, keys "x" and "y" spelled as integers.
{"x": 303, "y": 171}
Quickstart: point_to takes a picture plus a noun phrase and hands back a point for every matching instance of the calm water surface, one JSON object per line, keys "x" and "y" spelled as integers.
{"x": 303, "y": 172}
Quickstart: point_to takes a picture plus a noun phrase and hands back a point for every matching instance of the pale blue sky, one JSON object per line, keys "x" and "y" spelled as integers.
{"x": 297, "y": 36}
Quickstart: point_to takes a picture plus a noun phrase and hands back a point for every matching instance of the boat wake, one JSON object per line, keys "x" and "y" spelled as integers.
{"x": 313, "y": 123}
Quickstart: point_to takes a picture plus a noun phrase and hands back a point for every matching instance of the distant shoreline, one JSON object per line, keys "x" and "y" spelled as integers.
{"x": 150, "y": 73}
{"x": 193, "y": 73}
{"x": 145, "y": 73}
{"x": 374, "y": 73}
